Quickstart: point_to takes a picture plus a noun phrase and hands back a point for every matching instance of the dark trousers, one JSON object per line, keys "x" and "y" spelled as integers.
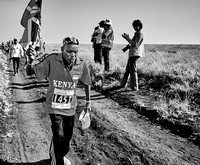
{"x": 15, "y": 64}
{"x": 97, "y": 54}
{"x": 106, "y": 55}
{"x": 131, "y": 68}
{"x": 62, "y": 129}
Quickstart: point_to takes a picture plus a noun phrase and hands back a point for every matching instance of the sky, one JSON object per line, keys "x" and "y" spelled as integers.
{"x": 164, "y": 21}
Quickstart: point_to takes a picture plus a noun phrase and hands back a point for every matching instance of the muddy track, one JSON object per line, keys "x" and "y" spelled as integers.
{"x": 118, "y": 135}
{"x": 30, "y": 131}
{"x": 142, "y": 102}
{"x": 123, "y": 136}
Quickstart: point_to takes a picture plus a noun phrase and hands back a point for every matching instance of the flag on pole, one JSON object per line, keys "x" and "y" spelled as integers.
{"x": 31, "y": 21}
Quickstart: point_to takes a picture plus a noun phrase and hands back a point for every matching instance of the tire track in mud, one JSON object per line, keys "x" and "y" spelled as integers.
{"x": 16, "y": 84}
{"x": 34, "y": 121}
{"x": 30, "y": 138}
{"x": 117, "y": 135}
{"x": 142, "y": 101}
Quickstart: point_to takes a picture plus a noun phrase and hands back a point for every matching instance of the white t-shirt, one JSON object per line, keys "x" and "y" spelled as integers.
{"x": 16, "y": 50}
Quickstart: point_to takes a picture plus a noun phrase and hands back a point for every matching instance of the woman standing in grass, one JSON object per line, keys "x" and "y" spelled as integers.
{"x": 136, "y": 50}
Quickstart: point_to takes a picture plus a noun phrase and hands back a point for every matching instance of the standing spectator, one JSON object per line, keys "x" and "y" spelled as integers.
{"x": 8, "y": 46}
{"x": 3, "y": 47}
{"x": 136, "y": 50}
{"x": 107, "y": 43}
{"x": 96, "y": 40}
{"x": 16, "y": 52}
{"x": 29, "y": 55}
{"x": 63, "y": 71}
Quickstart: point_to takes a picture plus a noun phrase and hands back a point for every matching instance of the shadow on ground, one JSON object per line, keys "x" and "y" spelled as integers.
{"x": 41, "y": 162}
{"x": 40, "y": 100}
{"x": 30, "y": 85}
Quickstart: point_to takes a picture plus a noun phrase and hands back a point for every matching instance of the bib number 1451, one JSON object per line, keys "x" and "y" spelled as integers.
{"x": 62, "y": 98}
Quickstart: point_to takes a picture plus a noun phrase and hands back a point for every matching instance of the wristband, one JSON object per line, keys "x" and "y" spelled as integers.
{"x": 89, "y": 101}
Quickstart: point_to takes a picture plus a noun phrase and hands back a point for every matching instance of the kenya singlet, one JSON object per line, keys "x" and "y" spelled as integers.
{"x": 61, "y": 94}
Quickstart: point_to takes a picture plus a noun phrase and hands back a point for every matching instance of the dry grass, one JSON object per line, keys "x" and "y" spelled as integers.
{"x": 180, "y": 87}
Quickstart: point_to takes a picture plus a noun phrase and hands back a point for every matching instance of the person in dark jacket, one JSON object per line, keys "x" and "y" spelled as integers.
{"x": 96, "y": 42}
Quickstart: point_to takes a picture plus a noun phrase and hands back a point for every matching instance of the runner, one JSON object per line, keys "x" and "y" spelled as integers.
{"x": 16, "y": 52}
{"x": 63, "y": 71}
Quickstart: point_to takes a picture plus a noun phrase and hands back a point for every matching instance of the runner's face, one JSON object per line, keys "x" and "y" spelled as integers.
{"x": 70, "y": 53}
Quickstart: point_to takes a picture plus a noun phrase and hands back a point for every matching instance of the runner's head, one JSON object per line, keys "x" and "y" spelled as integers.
{"x": 15, "y": 40}
{"x": 70, "y": 50}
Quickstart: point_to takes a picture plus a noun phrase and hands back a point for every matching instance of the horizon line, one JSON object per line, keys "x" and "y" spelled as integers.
{"x": 126, "y": 43}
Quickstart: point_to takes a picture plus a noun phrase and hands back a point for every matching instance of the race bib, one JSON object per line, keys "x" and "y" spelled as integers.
{"x": 62, "y": 98}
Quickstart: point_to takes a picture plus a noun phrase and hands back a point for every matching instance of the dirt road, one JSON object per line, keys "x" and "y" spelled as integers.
{"x": 117, "y": 136}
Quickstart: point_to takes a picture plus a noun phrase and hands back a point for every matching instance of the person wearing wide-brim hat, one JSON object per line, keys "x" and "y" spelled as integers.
{"x": 108, "y": 22}
{"x": 107, "y": 43}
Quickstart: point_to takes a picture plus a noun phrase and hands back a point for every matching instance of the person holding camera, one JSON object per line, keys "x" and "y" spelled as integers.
{"x": 136, "y": 50}
{"x": 96, "y": 42}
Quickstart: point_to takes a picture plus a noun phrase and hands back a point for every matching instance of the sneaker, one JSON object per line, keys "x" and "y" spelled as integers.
{"x": 66, "y": 161}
